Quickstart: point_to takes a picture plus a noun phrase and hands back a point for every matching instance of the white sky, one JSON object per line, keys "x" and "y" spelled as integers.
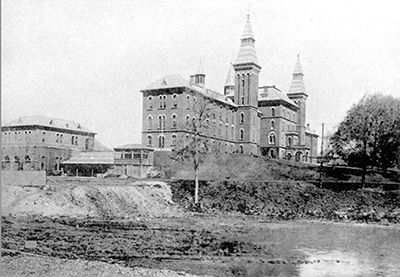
{"x": 86, "y": 60}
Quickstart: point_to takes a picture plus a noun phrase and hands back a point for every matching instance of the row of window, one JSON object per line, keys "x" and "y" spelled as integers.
{"x": 161, "y": 141}
{"x": 27, "y": 159}
{"x": 272, "y": 139}
{"x": 290, "y": 115}
{"x": 162, "y": 102}
{"x": 18, "y": 136}
{"x": 289, "y": 127}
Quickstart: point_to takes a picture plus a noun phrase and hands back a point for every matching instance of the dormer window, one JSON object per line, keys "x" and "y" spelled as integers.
{"x": 51, "y": 122}
{"x": 79, "y": 126}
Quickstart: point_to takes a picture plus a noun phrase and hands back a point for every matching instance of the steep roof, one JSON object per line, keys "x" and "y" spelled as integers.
{"x": 176, "y": 81}
{"x": 48, "y": 122}
{"x": 270, "y": 93}
{"x": 297, "y": 85}
{"x": 230, "y": 79}
{"x": 168, "y": 81}
{"x": 247, "y": 51}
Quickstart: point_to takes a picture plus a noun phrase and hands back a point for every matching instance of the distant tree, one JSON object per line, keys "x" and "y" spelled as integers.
{"x": 370, "y": 133}
{"x": 197, "y": 144}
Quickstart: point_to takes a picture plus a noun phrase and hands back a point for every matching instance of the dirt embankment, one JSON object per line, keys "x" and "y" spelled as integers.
{"x": 290, "y": 200}
{"x": 89, "y": 200}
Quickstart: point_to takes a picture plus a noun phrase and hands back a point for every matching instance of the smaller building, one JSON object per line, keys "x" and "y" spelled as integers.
{"x": 131, "y": 160}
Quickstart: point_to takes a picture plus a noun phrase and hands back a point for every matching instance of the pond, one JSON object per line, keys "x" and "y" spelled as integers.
{"x": 347, "y": 250}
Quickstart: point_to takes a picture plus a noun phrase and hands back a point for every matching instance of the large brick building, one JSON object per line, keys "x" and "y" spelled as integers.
{"x": 42, "y": 143}
{"x": 247, "y": 118}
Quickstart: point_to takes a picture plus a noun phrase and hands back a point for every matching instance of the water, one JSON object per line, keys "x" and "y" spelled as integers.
{"x": 348, "y": 250}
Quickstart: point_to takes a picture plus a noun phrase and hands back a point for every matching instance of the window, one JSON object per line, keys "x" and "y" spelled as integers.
{"x": 289, "y": 141}
{"x": 242, "y": 100}
{"x": 241, "y": 118}
{"x": 175, "y": 101}
{"x": 76, "y": 140}
{"x": 173, "y": 142}
{"x": 272, "y": 125}
{"x": 226, "y": 130}
{"x": 61, "y": 138}
{"x": 233, "y": 132}
{"x": 272, "y": 138}
{"x": 174, "y": 123}
{"x": 57, "y": 138}
{"x": 150, "y": 122}
{"x": 150, "y": 102}
{"x": 87, "y": 144}
{"x": 220, "y": 129}
{"x": 160, "y": 122}
{"x": 161, "y": 140}
{"x": 273, "y": 112}
{"x": 241, "y": 149}
{"x": 162, "y": 101}
{"x": 149, "y": 140}
{"x": 241, "y": 135}
{"x": 128, "y": 155}
{"x": 136, "y": 155}
{"x": 187, "y": 120}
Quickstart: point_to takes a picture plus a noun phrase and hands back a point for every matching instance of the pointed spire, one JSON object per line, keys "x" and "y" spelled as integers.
{"x": 247, "y": 52}
{"x": 248, "y": 31}
{"x": 297, "y": 68}
{"x": 230, "y": 79}
{"x": 297, "y": 79}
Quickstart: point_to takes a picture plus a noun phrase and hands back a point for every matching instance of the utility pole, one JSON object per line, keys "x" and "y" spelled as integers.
{"x": 322, "y": 140}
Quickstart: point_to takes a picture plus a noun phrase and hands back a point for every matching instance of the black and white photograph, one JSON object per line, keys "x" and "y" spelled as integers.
{"x": 238, "y": 138}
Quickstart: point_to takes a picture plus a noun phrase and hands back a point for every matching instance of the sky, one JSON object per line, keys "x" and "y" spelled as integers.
{"x": 87, "y": 60}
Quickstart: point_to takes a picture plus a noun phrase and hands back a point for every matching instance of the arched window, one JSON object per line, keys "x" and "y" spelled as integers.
{"x": 242, "y": 99}
{"x": 187, "y": 120}
{"x": 42, "y": 164}
{"x": 306, "y": 157}
{"x": 61, "y": 138}
{"x": 174, "y": 123}
{"x": 162, "y": 101}
{"x": 149, "y": 140}
{"x": 161, "y": 141}
{"x": 150, "y": 102}
{"x": 27, "y": 159}
{"x": 233, "y": 132}
{"x": 7, "y": 159}
{"x": 175, "y": 101}
{"x": 87, "y": 144}
{"x": 272, "y": 125}
{"x": 150, "y": 122}
{"x": 273, "y": 112}
{"x": 241, "y": 135}
{"x": 241, "y": 149}
{"x": 57, "y": 138}
{"x": 298, "y": 156}
{"x": 72, "y": 140}
{"x": 273, "y": 153}
{"x": 289, "y": 156}
{"x": 163, "y": 122}
{"x": 173, "y": 141}
{"x": 241, "y": 118}
{"x": 220, "y": 129}
{"x": 272, "y": 138}
{"x": 289, "y": 141}
{"x": 76, "y": 140}
{"x": 160, "y": 122}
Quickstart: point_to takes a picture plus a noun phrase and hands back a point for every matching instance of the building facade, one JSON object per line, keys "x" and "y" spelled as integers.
{"x": 247, "y": 118}
{"x": 42, "y": 143}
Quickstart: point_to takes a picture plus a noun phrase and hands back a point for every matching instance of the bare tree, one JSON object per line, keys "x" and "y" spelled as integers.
{"x": 199, "y": 129}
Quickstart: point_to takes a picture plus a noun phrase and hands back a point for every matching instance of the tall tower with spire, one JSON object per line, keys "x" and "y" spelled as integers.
{"x": 297, "y": 93}
{"x": 246, "y": 70}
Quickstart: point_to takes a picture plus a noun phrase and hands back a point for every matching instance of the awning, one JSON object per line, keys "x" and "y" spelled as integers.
{"x": 92, "y": 158}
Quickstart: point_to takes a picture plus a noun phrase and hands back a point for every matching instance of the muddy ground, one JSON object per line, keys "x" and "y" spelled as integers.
{"x": 202, "y": 245}
{"x": 232, "y": 245}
